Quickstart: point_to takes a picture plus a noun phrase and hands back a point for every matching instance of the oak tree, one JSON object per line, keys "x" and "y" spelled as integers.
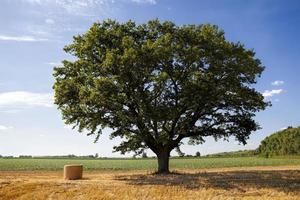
{"x": 155, "y": 84}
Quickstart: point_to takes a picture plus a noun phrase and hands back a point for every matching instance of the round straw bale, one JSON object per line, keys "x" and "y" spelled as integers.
{"x": 73, "y": 172}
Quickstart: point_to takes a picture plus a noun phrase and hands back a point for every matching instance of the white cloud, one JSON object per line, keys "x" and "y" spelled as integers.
{"x": 81, "y": 7}
{"x": 22, "y": 99}
{"x": 270, "y": 93}
{"x": 145, "y": 1}
{"x": 34, "y": 1}
{"x": 277, "y": 83}
{"x": 49, "y": 21}
{"x": 73, "y": 6}
{"x": 21, "y": 38}
{"x": 4, "y": 128}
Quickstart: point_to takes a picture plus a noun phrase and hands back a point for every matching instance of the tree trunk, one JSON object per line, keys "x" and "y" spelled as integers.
{"x": 163, "y": 162}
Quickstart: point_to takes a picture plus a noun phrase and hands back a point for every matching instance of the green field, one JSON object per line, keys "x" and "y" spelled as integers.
{"x": 144, "y": 164}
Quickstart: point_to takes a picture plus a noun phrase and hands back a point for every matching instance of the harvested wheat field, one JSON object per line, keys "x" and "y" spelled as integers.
{"x": 226, "y": 183}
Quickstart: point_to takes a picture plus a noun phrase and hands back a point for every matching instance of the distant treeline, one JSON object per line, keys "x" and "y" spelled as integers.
{"x": 282, "y": 143}
{"x": 54, "y": 157}
{"x": 285, "y": 142}
{"x": 240, "y": 153}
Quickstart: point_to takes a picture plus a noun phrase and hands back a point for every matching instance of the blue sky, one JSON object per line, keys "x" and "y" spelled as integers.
{"x": 33, "y": 33}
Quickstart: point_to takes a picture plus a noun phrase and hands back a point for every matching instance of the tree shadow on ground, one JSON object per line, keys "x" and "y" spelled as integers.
{"x": 285, "y": 180}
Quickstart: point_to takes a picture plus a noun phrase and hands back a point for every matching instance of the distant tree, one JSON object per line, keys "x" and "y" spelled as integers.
{"x": 144, "y": 155}
{"x": 198, "y": 154}
{"x": 8, "y": 157}
{"x": 96, "y": 155}
{"x": 25, "y": 156}
{"x": 155, "y": 84}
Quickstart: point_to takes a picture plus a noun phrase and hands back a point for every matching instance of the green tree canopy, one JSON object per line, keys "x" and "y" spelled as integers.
{"x": 285, "y": 142}
{"x": 157, "y": 83}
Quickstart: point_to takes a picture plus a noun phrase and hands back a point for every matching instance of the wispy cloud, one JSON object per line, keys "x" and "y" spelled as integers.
{"x": 270, "y": 93}
{"x": 73, "y": 6}
{"x": 34, "y": 1}
{"x": 4, "y": 128}
{"x": 277, "y": 83}
{"x": 83, "y": 7}
{"x": 145, "y": 1}
{"x": 21, "y": 38}
{"x": 22, "y": 99}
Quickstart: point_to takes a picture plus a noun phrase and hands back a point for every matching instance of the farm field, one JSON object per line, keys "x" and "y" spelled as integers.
{"x": 223, "y": 183}
{"x": 143, "y": 164}
{"x": 193, "y": 178}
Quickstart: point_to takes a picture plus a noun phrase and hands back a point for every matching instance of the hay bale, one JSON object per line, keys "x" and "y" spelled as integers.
{"x": 73, "y": 172}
